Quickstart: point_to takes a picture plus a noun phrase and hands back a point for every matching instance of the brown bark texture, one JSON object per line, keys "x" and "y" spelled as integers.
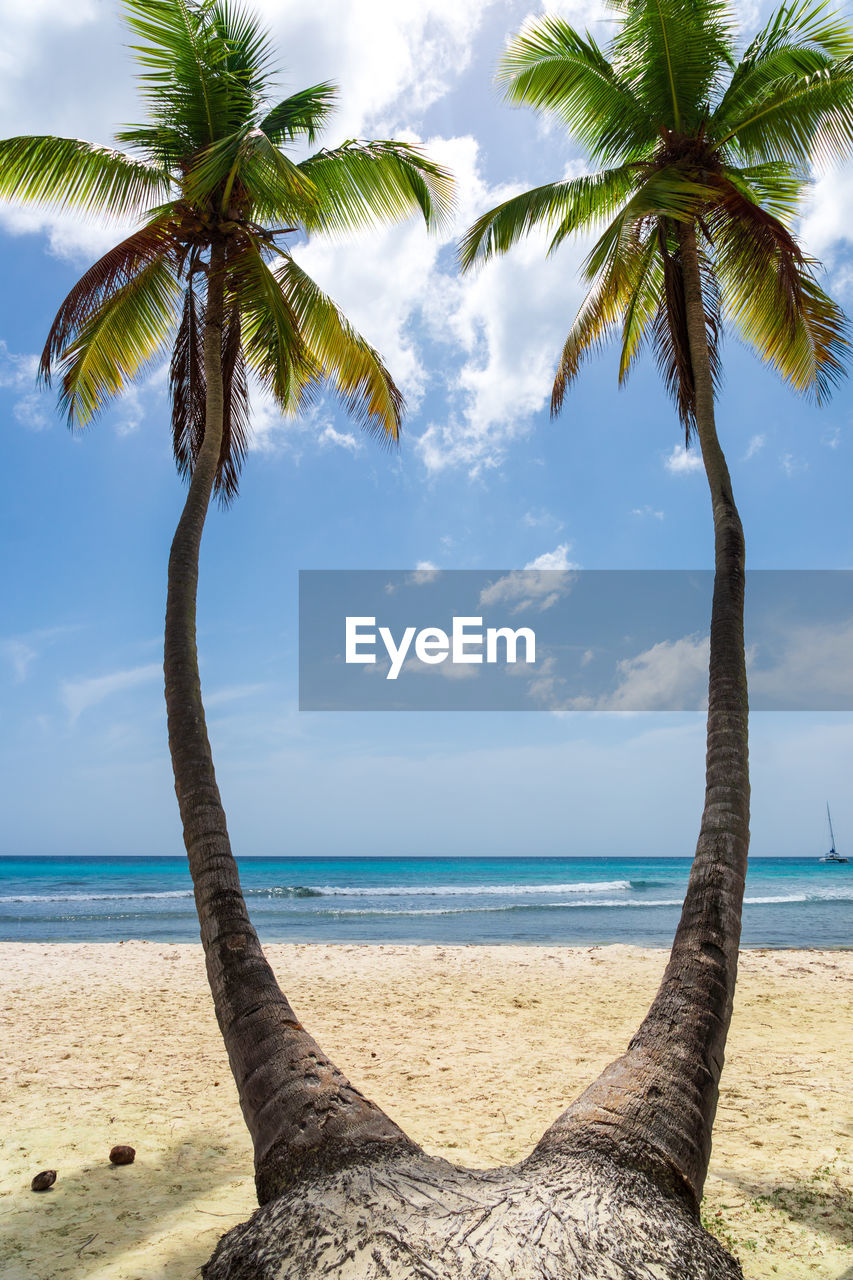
{"x": 583, "y": 1217}
{"x": 656, "y": 1104}
{"x": 301, "y": 1111}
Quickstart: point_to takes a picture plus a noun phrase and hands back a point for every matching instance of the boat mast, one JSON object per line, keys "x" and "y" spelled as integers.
{"x": 831, "y": 832}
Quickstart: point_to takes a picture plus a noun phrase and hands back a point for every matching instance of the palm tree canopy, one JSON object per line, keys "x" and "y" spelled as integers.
{"x": 686, "y": 132}
{"x": 210, "y": 166}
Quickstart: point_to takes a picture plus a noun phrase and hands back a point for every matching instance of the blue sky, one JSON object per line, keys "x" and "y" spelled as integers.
{"x": 483, "y": 480}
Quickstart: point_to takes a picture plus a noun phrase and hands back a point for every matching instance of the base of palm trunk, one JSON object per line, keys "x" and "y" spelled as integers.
{"x": 419, "y": 1218}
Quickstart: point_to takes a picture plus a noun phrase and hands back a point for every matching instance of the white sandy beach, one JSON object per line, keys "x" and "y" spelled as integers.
{"x": 474, "y": 1050}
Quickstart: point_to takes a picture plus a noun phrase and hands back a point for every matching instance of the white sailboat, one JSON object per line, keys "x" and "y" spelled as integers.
{"x": 833, "y": 855}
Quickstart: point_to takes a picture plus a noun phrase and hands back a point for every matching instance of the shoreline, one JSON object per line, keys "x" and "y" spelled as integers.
{"x": 474, "y": 1049}
{"x": 394, "y": 944}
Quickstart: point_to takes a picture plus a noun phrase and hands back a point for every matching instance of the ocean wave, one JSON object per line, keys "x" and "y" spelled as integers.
{"x": 286, "y": 891}
{"x": 585, "y": 905}
{"x": 583, "y": 897}
{"x": 96, "y": 897}
{"x": 479, "y": 910}
{"x": 470, "y": 890}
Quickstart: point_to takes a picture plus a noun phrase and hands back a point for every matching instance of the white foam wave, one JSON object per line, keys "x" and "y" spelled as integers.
{"x": 95, "y": 897}
{"x": 469, "y": 890}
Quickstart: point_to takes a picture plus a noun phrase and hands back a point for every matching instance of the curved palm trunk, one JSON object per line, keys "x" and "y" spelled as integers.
{"x": 301, "y": 1111}
{"x": 656, "y": 1104}
{"x": 612, "y": 1189}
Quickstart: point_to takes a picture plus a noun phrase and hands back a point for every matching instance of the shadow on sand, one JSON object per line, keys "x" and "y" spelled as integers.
{"x": 97, "y": 1213}
{"x": 822, "y": 1203}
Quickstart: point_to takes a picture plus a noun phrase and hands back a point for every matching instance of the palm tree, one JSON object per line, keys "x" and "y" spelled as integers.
{"x": 209, "y": 274}
{"x": 611, "y": 1190}
{"x": 706, "y": 159}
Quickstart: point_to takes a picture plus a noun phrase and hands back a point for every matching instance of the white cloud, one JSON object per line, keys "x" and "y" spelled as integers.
{"x": 826, "y": 230}
{"x": 539, "y": 585}
{"x": 682, "y": 460}
{"x": 231, "y": 693}
{"x": 556, "y": 559}
{"x": 21, "y": 655}
{"x": 18, "y": 374}
{"x": 22, "y": 651}
{"x": 755, "y": 446}
{"x": 670, "y": 676}
{"x": 390, "y": 60}
{"x": 510, "y": 319}
{"x": 647, "y": 511}
{"x": 792, "y": 465}
{"x": 541, "y": 519}
{"x": 831, "y": 437}
{"x": 340, "y": 439}
{"x": 79, "y": 695}
{"x": 813, "y": 670}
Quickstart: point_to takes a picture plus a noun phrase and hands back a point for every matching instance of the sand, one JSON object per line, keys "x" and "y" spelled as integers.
{"x": 474, "y": 1050}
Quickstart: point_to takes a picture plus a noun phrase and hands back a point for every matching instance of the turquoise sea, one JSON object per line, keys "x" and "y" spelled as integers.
{"x": 789, "y": 902}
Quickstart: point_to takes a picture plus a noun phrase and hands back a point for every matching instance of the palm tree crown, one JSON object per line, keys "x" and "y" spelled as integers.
{"x": 688, "y": 135}
{"x": 209, "y": 172}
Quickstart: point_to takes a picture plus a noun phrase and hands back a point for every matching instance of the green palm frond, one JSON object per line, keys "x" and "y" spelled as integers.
{"x": 643, "y": 305}
{"x": 698, "y": 146}
{"x": 798, "y": 120}
{"x": 65, "y": 173}
{"x": 110, "y": 273}
{"x": 164, "y": 146}
{"x": 182, "y": 63}
{"x": 666, "y": 193}
{"x": 205, "y": 65}
{"x": 302, "y": 115}
{"x": 129, "y": 329}
{"x": 340, "y": 357}
{"x": 362, "y": 183}
{"x": 551, "y": 67}
{"x": 784, "y": 315}
{"x": 274, "y": 348}
{"x": 249, "y": 52}
{"x": 571, "y": 205}
{"x": 610, "y": 295}
{"x": 248, "y": 162}
{"x": 776, "y": 187}
{"x": 675, "y": 54}
{"x": 799, "y": 40}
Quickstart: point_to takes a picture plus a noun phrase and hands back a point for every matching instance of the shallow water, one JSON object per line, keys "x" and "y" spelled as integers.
{"x": 790, "y": 902}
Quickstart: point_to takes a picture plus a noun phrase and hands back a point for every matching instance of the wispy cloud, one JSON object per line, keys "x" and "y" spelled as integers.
{"x": 792, "y": 465}
{"x": 755, "y": 446}
{"x": 232, "y": 693}
{"x": 18, "y": 374}
{"x": 80, "y": 695}
{"x": 340, "y": 439}
{"x": 23, "y": 650}
{"x": 647, "y": 512}
{"x": 542, "y": 519}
